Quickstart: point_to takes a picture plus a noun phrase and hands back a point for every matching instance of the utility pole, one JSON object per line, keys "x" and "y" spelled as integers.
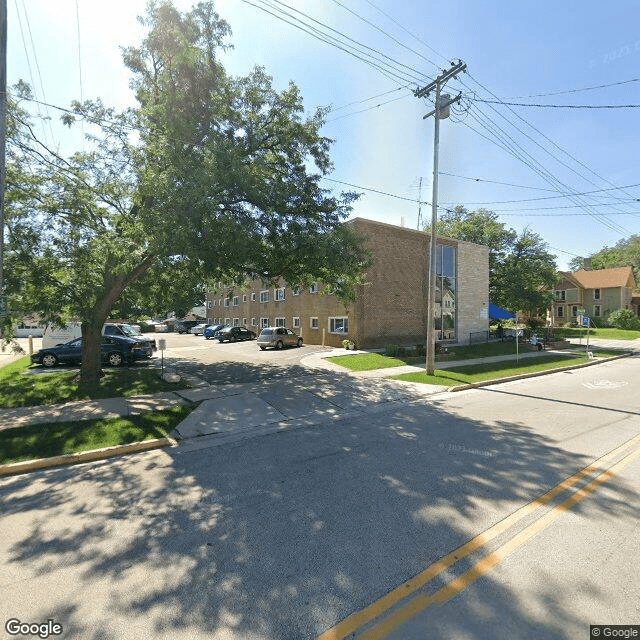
{"x": 442, "y": 104}
{"x": 3, "y": 136}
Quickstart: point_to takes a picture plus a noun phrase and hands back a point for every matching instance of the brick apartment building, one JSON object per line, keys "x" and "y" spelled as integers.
{"x": 391, "y": 307}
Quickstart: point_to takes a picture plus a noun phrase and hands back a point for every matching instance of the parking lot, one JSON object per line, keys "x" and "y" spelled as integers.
{"x": 227, "y": 363}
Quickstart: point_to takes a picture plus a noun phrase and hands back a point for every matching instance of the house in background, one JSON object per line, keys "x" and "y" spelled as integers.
{"x": 391, "y": 307}
{"x": 598, "y": 292}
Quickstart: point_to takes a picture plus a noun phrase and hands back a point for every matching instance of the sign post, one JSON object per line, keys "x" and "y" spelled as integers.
{"x": 586, "y": 322}
{"x": 162, "y": 345}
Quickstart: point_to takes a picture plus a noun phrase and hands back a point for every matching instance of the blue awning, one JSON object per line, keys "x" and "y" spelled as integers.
{"x": 496, "y": 313}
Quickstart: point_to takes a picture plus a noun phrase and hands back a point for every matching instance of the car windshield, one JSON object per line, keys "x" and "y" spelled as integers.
{"x": 267, "y": 332}
{"x": 128, "y": 330}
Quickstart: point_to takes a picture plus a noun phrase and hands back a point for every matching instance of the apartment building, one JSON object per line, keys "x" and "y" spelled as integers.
{"x": 391, "y": 307}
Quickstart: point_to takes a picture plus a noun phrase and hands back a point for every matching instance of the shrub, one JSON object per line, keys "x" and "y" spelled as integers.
{"x": 391, "y": 350}
{"x": 624, "y": 319}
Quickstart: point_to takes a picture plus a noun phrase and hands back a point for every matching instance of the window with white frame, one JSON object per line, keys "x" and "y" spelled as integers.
{"x": 279, "y": 322}
{"x": 560, "y": 312}
{"x": 313, "y": 323}
{"x": 295, "y": 291}
{"x": 339, "y": 325}
{"x": 264, "y": 323}
{"x": 227, "y": 302}
{"x": 236, "y": 322}
{"x": 236, "y": 301}
{"x": 227, "y": 321}
{"x": 560, "y": 295}
{"x": 264, "y": 296}
{"x": 574, "y": 311}
{"x": 210, "y": 304}
{"x": 244, "y": 322}
{"x": 296, "y": 322}
{"x": 254, "y": 322}
{"x": 313, "y": 288}
{"x": 253, "y": 297}
{"x": 278, "y": 294}
{"x": 596, "y": 311}
{"x": 596, "y": 294}
{"x": 244, "y": 298}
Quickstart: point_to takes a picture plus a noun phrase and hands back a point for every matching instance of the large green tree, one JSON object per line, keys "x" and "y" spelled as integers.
{"x": 210, "y": 178}
{"x": 626, "y": 252}
{"x": 521, "y": 270}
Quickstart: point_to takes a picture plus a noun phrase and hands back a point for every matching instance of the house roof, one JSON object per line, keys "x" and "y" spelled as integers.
{"x": 605, "y": 278}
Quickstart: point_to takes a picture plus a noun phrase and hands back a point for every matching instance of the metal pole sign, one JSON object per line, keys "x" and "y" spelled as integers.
{"x": 162, "y": 345}
{"x": 586, "y": 322}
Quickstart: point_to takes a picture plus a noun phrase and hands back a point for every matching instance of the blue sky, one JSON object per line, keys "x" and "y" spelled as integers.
{"x": 491, "y": 155}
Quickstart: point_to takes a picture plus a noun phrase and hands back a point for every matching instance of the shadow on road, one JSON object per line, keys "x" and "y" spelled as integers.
{"x": 283, "y": 536}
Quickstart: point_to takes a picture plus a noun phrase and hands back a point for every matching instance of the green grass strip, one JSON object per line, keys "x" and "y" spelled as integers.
{"x": 490, "y": 371}
{"x": 24, "y": 386}
{"x": 32, "y": 442}
{"x": 366, "y": 362}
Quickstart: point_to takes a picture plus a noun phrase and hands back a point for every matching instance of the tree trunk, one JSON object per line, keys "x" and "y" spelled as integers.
{"x": 91, "y": 369}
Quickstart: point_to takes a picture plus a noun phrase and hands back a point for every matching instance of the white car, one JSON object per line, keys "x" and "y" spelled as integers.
{"x": 198, "y": 330}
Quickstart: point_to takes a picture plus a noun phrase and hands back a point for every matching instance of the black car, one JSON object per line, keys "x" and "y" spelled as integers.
{"x": 183, "y": 326}
{"x": 115, "y": 350}
{"x": 232, "y": 334}
{"x": 129, "y": 331}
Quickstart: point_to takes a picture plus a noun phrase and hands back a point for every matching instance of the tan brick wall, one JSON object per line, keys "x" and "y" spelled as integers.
{"x": 391, "y": 305}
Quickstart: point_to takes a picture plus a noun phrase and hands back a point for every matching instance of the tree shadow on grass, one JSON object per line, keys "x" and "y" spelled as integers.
{"x": 282, "y": 536}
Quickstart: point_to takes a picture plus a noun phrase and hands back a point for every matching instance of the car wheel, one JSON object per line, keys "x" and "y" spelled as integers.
{"x": 299, "y": 343}
{"x": 262, "y": 348}
{"x": 279, "y": 345}
{"x": 115, "y": 359}
{"x": 49, "y": 360}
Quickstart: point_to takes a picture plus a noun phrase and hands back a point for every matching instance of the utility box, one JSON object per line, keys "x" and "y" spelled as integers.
{"x": 444, "y": 107}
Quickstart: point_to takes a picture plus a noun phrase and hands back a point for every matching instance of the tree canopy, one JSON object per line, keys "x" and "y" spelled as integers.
{"x": 625, "y": 252}
{"x": 521, "y": 270}
{"x": 209, "y": 178}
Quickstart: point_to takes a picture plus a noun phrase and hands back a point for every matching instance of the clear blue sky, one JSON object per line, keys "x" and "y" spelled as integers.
{"x": 515, "y": 51}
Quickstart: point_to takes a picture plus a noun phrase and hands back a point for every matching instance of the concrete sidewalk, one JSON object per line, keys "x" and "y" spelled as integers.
{"x": 329, "y": 391}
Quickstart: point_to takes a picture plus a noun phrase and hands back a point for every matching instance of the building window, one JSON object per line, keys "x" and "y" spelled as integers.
{"x": 236, "y": 301}
{"x": 253, "y": 322}
{"x": 295, "y": 291}
{"x": 253, "y": 297}
{"x": 244, "y": 322}
{"x": 279, "y": 322}
{"x": 227, "y": 321}
{"x": 227, "y": 302}
{"x": 560, "y": 295}
{"x": 244, "y": 298}
{"x": 236, "y": 322}
{"x": 210, "y": 304}
{"x": 313, "y": 288}
{"x": 278, "y": 294}
{"x": 339, "y": 325}
{"x": 264, "y": 323}
{"x": 560, "y": 312}
{"x": 313, "y": 323}
{"x": 296, "y": 322}
{"x": 574, "y": 311}
{"x": 264, "y": 296}
{"x": 596, "y": 294}
{"x": 596, "y": 310}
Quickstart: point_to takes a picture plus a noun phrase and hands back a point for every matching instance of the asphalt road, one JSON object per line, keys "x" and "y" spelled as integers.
{"x": 285, "y": 536}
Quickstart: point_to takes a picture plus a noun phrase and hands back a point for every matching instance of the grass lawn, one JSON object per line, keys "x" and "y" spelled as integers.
{"x": 492, "y": 370}
{"x": 44, "y": 441}
{"x": 603, "y": 334}
{"x": 366, "y": 362}
{"x": 22, "y": 385}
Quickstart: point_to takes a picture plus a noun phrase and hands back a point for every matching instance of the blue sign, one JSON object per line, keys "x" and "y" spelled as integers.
{"x": 585, "y": 321}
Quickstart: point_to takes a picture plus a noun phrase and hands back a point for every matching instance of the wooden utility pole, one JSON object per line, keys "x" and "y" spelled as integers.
{"x": 442, "y": 104}
{"x": 3, "y": 136}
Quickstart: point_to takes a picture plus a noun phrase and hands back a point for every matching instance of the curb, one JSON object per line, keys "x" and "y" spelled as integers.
{"x": 535, "y": 374}
{"x": 27, "y": 466}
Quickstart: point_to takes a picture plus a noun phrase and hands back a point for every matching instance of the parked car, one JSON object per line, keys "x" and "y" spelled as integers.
{"x": 115, "y": 350}
{"x": 278, "y": 337}
{"x": 183, "y": 326}
{"x": 232, "y": 334}
{"x": 198, "y": 330}
{"x": 129, "y": 331}
{"x": 210, "y": 331}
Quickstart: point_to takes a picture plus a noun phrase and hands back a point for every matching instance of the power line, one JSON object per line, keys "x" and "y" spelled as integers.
{"x": 558, "y": 106}
{"x": 378, "y": 191}
{"x": 376, "y": 106}
{"x": 566, "y": 91}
